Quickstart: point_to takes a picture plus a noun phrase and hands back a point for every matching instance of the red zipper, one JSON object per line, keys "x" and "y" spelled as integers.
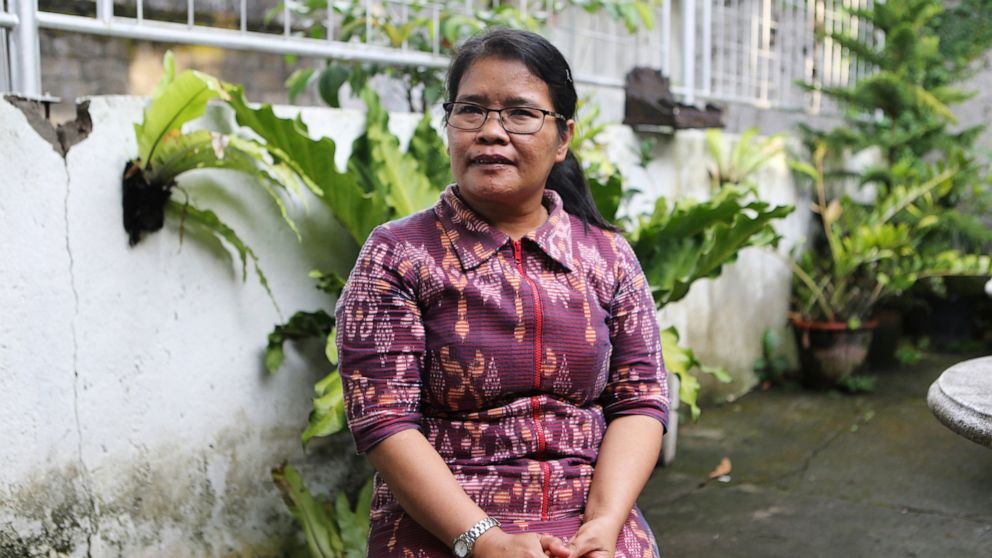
{"x": 539, "y": 317}
{"x": 534, "y": 401}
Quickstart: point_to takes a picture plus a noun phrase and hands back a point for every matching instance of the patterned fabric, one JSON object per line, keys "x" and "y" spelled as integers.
{"x": 510, "y": 357}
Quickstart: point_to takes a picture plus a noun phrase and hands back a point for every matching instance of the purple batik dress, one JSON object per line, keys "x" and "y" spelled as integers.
{"x": 510, "y": 357}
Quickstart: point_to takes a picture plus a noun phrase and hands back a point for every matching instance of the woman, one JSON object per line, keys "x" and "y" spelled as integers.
{"x": 500, "y": 356}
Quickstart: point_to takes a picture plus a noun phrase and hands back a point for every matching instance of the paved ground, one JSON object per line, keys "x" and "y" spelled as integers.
{"x": 824, "y": 474}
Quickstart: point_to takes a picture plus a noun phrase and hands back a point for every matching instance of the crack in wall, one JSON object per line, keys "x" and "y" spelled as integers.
{"x": 85, "y": 479}
{"x": 62, "y": 136}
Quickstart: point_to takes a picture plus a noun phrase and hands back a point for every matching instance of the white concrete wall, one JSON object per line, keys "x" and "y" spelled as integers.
{"x": 136, "y": 418}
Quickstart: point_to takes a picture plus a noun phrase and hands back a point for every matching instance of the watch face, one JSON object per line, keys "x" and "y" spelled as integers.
{"x": 461, "y": 549}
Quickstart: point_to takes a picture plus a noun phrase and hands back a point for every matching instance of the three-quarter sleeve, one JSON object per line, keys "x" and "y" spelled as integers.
{"x": 380, "y": 340}
{"x": 637, "y": 383}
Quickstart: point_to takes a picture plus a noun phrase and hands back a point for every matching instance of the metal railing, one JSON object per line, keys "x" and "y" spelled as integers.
{"x": 744, "y": 51}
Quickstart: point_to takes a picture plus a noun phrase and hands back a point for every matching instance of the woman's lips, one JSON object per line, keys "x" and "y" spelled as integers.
{"x": 490, "y": 160}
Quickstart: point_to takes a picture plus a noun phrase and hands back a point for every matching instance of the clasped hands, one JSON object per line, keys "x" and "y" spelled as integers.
{"x": 593, "y": 540}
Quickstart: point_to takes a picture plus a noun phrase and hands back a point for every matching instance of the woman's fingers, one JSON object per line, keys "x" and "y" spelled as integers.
{"x": 553, "y": 546}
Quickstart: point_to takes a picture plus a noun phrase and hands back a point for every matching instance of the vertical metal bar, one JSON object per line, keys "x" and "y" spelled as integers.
{"x": 329, "y": 22}
{"x": 368, "y": 21}
{"x": 707, "y": 86}
{"x": 436, "y": 18}
{"x": 689, "y": 50}
{"x": 766, "y": 48}
{"x": 666, "y": 37}
{"x": 190, "y": 10}
{"x": 105, "y": 10}
{"x": 285, "y": 20}
{"x": 25, "y": 52}
{"x": 244, "y": 16}
{"x": 141, "y": 11}
{"x": 405, "y": 16}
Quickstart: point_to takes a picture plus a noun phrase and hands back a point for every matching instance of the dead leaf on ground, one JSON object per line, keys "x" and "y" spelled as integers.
{"x": 724, "y": 468}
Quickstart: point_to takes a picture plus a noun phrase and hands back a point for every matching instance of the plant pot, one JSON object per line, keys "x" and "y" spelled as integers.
{"x": 831, "y": 351}
{"x": 885, "y": 339}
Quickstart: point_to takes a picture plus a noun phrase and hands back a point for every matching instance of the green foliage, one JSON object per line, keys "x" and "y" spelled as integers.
{"x": 693, "y": 240}
{"x": 908, "y": 354}
{"x": 873, "y": 251}
{"x": 858, "y": 383}
{"x": 680, "y": 361}
{"x": 903, "y": 110}
{"x": 302, "y": 325}
{"x": 333, "y": 528}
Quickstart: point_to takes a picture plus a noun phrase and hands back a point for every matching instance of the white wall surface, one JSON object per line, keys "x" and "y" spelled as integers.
{"x": 136, "y": 418}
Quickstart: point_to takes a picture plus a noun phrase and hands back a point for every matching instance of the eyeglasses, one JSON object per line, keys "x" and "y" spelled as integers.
{"x": 515, "y": 120}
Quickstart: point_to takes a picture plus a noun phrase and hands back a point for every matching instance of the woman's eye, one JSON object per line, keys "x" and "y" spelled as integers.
{"x": 524, "y": 113}
{"x": 467, "y": 109}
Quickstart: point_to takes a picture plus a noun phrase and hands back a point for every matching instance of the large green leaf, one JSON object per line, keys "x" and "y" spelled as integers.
{"x": 680, "y": 361}
{"x": 427, "y": 149}
{"x": 327, "y": 416}
{"x": 183, "y": 98}
{"x": 323, "y": 537}
{"x": 695, "y": 239}
{"x": 289, "y": 143}
{"x": 385, "y": 169}
{"x": 302, "y": 325}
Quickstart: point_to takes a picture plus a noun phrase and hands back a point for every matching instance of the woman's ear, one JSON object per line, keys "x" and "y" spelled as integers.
{"x": 565, "y": 140}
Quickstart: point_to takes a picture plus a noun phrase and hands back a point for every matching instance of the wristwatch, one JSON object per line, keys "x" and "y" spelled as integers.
{"x": 462, "y": 546}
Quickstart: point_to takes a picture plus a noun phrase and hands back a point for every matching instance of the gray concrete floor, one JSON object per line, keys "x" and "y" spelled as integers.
{"x": 826, "y": 474}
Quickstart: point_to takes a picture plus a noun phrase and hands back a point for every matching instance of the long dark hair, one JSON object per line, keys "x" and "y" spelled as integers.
{"x": 546, "y": 62}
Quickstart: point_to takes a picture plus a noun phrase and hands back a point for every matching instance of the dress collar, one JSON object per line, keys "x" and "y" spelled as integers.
{"x": 475, "y": 240}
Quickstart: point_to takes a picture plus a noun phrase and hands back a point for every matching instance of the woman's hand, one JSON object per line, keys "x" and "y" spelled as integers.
{"x": 497, "y": 543}
{"x": 597, "y": 538}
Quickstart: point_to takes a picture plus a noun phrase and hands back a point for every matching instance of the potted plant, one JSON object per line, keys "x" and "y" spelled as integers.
{"x": 867, "y": 252}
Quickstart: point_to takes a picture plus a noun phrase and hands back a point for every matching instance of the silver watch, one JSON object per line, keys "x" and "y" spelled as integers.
{"x": 462, "y": 546}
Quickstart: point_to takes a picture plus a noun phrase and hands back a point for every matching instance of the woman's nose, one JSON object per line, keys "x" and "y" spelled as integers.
{"x": 492, "y": 130}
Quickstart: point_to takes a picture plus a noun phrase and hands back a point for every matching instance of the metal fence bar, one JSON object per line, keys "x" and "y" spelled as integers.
{"x": 721, "y": 50}
{"x": 233, "y": 39}
{"x": 689, "y": 50}
{"x": 25, "y": 55}
{"x": 105, "y": 10}
{"x": 707, "y": 32}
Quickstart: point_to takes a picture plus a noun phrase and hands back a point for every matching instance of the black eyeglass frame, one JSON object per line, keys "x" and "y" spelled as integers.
{"x": 499, "y": 113}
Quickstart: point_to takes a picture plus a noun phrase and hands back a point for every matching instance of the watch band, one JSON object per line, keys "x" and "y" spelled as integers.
{"x": 462, "y": 546}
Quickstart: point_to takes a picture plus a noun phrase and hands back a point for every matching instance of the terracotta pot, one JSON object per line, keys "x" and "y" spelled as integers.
{"x": 831, "y": 351}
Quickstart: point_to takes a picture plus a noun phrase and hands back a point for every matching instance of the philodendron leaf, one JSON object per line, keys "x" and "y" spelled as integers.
{"x": 323, "y": 537}
{"x": 387, "y": 170}
{"x": 302, "y": 325}
{"x": 288, "y": 142}
{"x": 429, "y": 153}
{"x": 679, "y": 360}
{"x": 331, "y": 347}
{"x": 327, "y": 416}
{"x": 181, "y": 100}
{"x": 696, "y": 239}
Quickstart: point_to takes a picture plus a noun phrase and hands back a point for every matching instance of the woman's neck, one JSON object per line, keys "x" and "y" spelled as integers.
{"x": 516, "y": 220}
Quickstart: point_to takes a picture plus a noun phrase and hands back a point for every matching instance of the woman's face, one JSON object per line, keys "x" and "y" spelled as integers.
{"x": 490, "y": 165}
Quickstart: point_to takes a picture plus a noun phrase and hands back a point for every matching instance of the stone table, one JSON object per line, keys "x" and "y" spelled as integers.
{"x": 962, "y": 399}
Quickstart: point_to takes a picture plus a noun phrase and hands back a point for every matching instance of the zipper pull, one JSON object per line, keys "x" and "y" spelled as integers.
{"x": 516, "y": 252}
